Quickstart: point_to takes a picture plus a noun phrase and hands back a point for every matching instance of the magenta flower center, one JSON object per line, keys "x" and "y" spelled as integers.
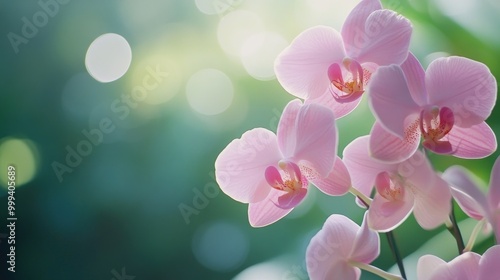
{"x": 351, "y": 87}
{"x": 435, "y": 124}
{"x": 390, "y": 186}
{"x": 289, "y": 180}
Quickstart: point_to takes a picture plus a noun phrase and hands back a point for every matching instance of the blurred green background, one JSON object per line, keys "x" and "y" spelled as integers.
{"x": 117, "y": 213}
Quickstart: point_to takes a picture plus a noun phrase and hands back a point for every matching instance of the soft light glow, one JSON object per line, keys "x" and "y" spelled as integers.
{"x": 259, "y": 52}
{"x": 220, "y": 246}
{"x": 235, "y": 27}
{"x": 268, "y": 270}
{"x": 108, "y": 57}
{"x": 209, "y": 92}
{"x": 23, "y": 155}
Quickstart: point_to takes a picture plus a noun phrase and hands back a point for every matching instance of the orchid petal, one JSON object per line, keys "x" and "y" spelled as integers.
{"x": 385, "y": 215}
{"x": 494, "y": 191}
{"x": 477, "y": 141}
{"x": 330, "y": 247}
{"x": 463, "y": 267}
{"x": 354, "y": 25}
{"x": 338, "y": 181}
{"x": 302, "y": 67}
{"x": 316, "y": 138}
{"x": 433, "y": 205}
{"x": 340, "y": 270}
{"x": 466, "y": 86}
{"x": 386, "y": 39}
{"x": 292, "y": 199}
{"x": 415, "y": 78}
{"x": 361, "y": 166}
{"x": 339, "y": 109}
{"x": 488, "y": 265}
{"x": 418, "y": 171}
{"x": 240, "y": 167}
{"x": 389, "y": 148}
{"x": 287, "y": 127}
{"x": 266, "y": 212}
{"x": 390, "y": 99}
{"x": 466, "y": 193}
{"x": 427, "y": 266}
{"x": 366, "y": 245}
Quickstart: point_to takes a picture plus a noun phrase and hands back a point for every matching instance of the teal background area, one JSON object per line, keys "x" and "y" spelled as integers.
{"x": 119, "y": 211}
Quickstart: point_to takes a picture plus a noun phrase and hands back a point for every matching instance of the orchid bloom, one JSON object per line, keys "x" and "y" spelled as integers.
{"x": 467, "y": 266}
{"x": 401, "y": 188}
{"x": 325, "y": 66}
{"x": 447, "y": 105}
{"x": 472, "y": 200}
{"x": 271, "y": 172}
{"x": 339, "y": 248}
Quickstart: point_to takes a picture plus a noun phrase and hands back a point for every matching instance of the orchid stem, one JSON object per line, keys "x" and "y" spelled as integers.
{"x": 376, "y": 271}
{"x": 366, "y": 200}
{"x": 473, "y": 236}
{"x": 455, "y": 231}
{"x": 395, "y": 252}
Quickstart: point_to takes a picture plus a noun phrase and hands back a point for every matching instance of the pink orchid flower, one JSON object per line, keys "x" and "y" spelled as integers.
{"x": 325, "y": 66}
{"x": 472, "y": 200}
{"x": 467, "y": 266}
{"x": 446, "y": 105}
{"x": 271, "y": 172}
{"x": 401, "y": 188}
{"x": 339, "y": 248}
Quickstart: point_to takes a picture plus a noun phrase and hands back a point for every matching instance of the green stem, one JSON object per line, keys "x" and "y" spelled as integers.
{"x": 455, "y": 231}
{"x": 395, "y": 252}
{"x": 366, "y": 200}
{"x": 375, "y": 270}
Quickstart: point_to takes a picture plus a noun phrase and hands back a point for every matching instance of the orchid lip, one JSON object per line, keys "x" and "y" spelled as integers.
{"x": 435, "y": 124}
{"x": 290, "y": 181}
{"x": 389, "y": 186}
{"x": 350, "y": 89}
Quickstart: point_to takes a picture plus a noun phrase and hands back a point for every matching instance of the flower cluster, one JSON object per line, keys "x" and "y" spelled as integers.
{"x": 440, "y": 110}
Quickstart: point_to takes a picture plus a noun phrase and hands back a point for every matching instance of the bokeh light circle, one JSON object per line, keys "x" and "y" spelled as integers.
{"x": 235, "y": 28}
{"x": 220, "y": 246}
{"x": 209, "y": 92}
{"x": 108, "y": 57}
{"x": 259, "y": 52}
{"x": 23, "y": 155}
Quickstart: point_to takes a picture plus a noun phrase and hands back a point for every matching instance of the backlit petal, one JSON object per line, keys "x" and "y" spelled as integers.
{"x": 266, "y": 212}
{"x": 390, "y": 99}
{"x": 470, "y": 198}
{"x": 464, "y": 85}
{"x": 385, "y": 215}
{"x": 287, "y": 126}
{"x": 331, "y": 245}
{"x": 427, "y": 266}
{"x": 338, "y": 181}
{"x": 302, "y": 67}
{"x": 389, "y": 148}
{"x": 433, "y": 205}
{"x": 361, "y": 166}
{"x": 316, "y": 138}
{"x": 488, "y": 265}
{"x": 240, "y": 167}
{"x": 339, "y": 109}
{"x": 477, "y": 141}
{"x": 354, "y": 25}
{"x": 386, "y": 39}
{"x": 415, "y": 78}
{"x": 366, "y": 245}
